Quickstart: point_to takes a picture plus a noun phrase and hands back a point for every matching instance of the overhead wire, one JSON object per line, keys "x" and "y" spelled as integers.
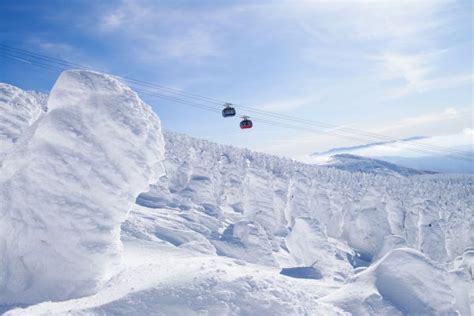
{"x": 249, "y": 109}
{"x": 266, "y": 121}
{"x": 56, "y": 64}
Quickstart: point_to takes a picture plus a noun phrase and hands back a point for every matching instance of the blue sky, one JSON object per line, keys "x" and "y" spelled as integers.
{"x": 400, "y": 68}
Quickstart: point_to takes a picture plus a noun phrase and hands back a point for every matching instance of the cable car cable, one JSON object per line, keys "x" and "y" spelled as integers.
{"x": 139, "y": 82}
{"x": 250, "y": 109}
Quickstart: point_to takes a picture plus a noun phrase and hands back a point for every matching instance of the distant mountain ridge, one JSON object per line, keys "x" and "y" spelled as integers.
{"x": 342, "y": 150}
{"x": 355, "y": 163}
{"x": 435, "y": 162}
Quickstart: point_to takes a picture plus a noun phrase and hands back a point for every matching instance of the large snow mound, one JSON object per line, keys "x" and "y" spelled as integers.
{"x": 18, "y": 109}
{"x": 65, "y": 189}
{"x": 404, "y": 282}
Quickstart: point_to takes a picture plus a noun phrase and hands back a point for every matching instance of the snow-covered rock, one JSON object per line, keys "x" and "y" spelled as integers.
{"x": 66, "y": 188}
{"x": 18, "y": 110}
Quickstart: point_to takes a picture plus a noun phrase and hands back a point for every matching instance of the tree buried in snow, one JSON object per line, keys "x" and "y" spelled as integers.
{"x": 66, "y": 188}
{"x": 403, "y": 282}
{"x": 18, "y": 110}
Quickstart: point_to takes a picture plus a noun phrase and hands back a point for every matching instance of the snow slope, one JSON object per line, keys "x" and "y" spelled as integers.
{"x": 162, "y": 280}
{"x": 226, "y": 231}
{"x": 67, "y": 187}
{"x": 438, "y": 163}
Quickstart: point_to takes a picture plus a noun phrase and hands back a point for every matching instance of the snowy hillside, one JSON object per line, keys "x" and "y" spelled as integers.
{"x": 355, "y": 163}
{"x": 226, "y": 231}
{"x": 360, "y": 209}
{"x": 438, "y": 163}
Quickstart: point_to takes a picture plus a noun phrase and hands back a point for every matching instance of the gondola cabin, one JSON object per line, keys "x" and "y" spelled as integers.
{"x": 246, "y": 123}
{"x": 228, "y": 110}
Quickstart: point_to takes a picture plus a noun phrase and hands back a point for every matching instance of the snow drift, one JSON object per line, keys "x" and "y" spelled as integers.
{"x": 404, "y": 282}
{"x": 65, "y": 189}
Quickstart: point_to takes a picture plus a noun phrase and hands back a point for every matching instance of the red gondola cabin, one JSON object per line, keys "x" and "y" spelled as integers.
{"x": 246, "y": 123}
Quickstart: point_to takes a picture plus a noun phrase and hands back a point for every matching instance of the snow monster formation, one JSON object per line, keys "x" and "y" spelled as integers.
{"x": 67, "y": 185}
{"x": 19, "y": 109}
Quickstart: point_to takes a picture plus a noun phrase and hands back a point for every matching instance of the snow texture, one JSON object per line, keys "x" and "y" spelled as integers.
{"x": 66, "y": 188}
{"x": 226, "y": 231}
{"x": 19, "y": 109}
{"x": 161, "y": 281}
{"x": 432, "y": 213}
{"x": 404, "y": 282}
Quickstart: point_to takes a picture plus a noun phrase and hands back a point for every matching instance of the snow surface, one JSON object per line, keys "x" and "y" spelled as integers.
{"x": 66, "y": 188}
{"x": 160, "y": 280}
{"x": 226, "y": 231}
{"x": 19, "y": 109}
{"x": 403, "y": 282}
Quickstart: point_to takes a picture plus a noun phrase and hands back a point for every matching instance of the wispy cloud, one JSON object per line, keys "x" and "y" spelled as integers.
{"x": 418, "y": 73}
{"x": 393, "y": 41}
{"x": 162, "y": 31}
{"x": 408, "y": 125}
{"x": 286, "y": 105}
{"x": 436, "y": 145}
{"x": 450, "y": 127}
{"x": 363, "y": 62}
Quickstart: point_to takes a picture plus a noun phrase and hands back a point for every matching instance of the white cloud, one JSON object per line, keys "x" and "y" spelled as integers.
{"x": 279, "y": 105}
{"x": 157, "y": 31}
{"x": 469, "y": 132}
{"x": 128, "y": 14}
{"x": 445, "y": 128}
{"x": 69, "y": 52}
{"x": 392, "y": 41}
{"x": 412, "y": 68}
{"x": 195, "y": 43}
{"x": 438, "y": 145}
{"x": 419, "y": 73}
{"x": 416, "y": 124}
